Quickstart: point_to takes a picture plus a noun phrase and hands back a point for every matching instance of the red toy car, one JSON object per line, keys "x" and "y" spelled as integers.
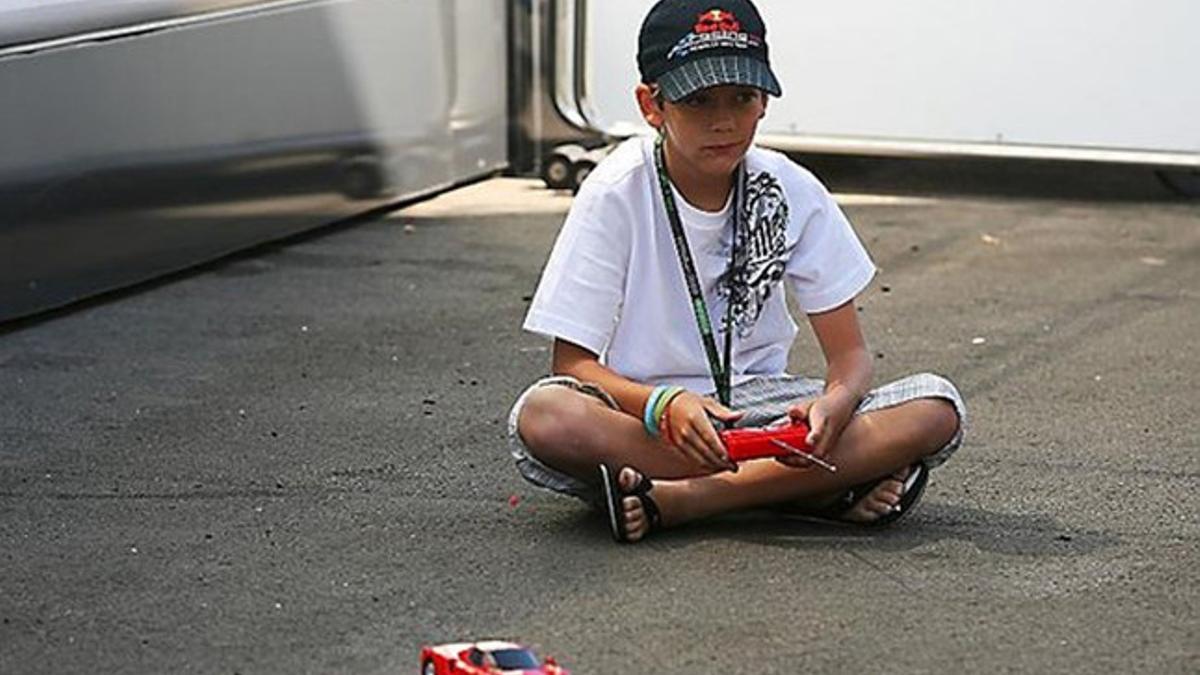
{"x": 489, "y": 657}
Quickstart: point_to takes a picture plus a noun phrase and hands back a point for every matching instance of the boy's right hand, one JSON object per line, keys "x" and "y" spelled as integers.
{"x": 688, "y": 428}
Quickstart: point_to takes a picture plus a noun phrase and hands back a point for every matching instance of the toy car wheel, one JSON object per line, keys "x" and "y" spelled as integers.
{"x": 428, "y": 668}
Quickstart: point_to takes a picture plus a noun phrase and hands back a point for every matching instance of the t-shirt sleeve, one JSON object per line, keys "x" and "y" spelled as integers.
{"x": 579, "y": 296}
{"x": 829, "y": 265}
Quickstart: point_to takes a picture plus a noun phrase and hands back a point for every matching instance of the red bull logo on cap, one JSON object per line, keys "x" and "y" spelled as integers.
{"x": 714, "y": 28}
{"x": 717, "y": 20}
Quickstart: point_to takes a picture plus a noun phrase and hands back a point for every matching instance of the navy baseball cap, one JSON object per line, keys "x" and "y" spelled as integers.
{"x": 688, "y": 45}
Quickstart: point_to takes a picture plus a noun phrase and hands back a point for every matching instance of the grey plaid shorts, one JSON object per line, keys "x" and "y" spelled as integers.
{"x": 765, "y": 400}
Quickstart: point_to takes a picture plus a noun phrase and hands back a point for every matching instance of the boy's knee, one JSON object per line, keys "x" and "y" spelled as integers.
{"x": 550, "y": 417}
{"x": 944, "y": 412}
{"x": 944, "y": 421}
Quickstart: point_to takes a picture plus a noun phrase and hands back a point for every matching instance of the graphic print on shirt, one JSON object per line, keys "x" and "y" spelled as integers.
{"x": 761, "y": 252}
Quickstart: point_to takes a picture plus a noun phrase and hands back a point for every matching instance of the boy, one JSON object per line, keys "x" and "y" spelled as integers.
{"x": 664, "y": 296}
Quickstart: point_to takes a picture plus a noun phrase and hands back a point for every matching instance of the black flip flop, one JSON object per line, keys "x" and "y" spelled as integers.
{"x": 616, "y": 512}
{"x": 835, "y": 512}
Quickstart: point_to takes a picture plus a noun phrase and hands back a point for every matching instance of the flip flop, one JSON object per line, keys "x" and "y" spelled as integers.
{"x": 616, "y": 512}
{"x": 835, "y": 512}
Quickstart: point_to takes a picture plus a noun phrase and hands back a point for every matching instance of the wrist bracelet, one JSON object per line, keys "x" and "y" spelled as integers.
{"x": 664, "y": 401}
{"x": 648, "y": 419}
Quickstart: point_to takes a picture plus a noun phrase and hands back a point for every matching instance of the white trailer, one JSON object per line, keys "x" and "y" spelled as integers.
{"x": 141, "y": 137}
{"x": 1102, "y": 80}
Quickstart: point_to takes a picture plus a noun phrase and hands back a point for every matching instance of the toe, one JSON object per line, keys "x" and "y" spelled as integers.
{"x": 880, "y": 501}
{"x": 635, "y": 515}
{"x": 865, "y": 511}
{"x": 635, "y": 525}
{"x": 882, "y": 507}
{"x": 889, "y": 491}
{"x": 627, "y": 479}
{"x": 877, "y": 504}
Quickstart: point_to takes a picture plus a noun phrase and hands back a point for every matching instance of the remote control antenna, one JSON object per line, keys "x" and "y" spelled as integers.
{"x": 812, "y": 458}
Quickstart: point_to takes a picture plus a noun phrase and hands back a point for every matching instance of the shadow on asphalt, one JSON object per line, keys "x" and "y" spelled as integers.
{"x": 1020, "y": 534}
{"x": 1012, "y": 534}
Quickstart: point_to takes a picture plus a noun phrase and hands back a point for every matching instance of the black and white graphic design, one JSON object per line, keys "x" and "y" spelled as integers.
{"x": 761, "y": 258}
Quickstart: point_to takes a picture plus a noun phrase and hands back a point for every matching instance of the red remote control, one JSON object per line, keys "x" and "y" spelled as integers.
{"x": 757, "y": 443}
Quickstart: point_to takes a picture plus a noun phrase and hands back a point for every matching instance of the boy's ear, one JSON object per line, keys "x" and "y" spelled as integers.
{"x": 649, "y": 104}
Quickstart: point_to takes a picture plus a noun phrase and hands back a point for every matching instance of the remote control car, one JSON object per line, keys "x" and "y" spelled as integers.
{"x": 489, "y": 657}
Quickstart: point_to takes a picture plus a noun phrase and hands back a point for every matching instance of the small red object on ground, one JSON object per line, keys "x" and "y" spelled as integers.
{"x": 485, "y": 657}
{"x": 759, "y": 443}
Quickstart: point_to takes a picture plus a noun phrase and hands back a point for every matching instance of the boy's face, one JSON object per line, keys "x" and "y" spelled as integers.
{"x": 712, "y": 129}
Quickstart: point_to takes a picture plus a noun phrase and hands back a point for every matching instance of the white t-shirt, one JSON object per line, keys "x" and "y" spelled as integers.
{"x": 614, "y": 285}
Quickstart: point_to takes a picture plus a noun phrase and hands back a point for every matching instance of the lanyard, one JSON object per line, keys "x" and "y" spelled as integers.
{"x": 720, "y": 372}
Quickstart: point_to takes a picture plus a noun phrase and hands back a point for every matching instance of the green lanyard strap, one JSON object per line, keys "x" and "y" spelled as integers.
{"x": 721, "y": 373}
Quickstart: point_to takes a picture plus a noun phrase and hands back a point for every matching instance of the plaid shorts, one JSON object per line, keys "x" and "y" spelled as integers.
{"x": 765, "y": 400}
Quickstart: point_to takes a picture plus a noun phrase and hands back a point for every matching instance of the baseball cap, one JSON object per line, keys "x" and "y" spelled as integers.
{"x": 688, "y": 45}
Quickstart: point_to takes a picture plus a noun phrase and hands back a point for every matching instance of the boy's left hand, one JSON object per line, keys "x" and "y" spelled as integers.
{"x": 687, "y": 426}
{"x": 826, "y": 417}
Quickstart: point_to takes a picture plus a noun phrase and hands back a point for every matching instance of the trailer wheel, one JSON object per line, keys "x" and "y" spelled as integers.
{"x": 558, "y": 167}
{"x": 586, "y": 164}
{"x": 580, "y": 172}
{"x": 556, "y": 173}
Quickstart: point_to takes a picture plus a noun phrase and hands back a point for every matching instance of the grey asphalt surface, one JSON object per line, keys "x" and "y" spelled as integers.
{"x": 294, "y": 461}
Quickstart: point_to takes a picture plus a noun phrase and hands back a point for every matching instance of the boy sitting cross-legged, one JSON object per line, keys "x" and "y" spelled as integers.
{"x": 664, "y": 295}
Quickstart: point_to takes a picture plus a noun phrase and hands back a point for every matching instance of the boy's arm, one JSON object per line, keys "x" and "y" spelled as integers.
{"x": 848, "y": 364}
{"x": 571, "y": 359}
{"x": 847, "y": 377}
{"x": 689, "y": 430}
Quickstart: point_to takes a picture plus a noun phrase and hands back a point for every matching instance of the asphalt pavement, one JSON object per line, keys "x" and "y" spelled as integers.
{"x": 294, "y": 461}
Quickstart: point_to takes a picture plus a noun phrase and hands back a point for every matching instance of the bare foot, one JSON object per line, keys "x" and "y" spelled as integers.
{"x": 880, "y": 501}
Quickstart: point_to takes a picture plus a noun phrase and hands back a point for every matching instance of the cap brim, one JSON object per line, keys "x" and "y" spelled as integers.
{"x": 711, "y": 71}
